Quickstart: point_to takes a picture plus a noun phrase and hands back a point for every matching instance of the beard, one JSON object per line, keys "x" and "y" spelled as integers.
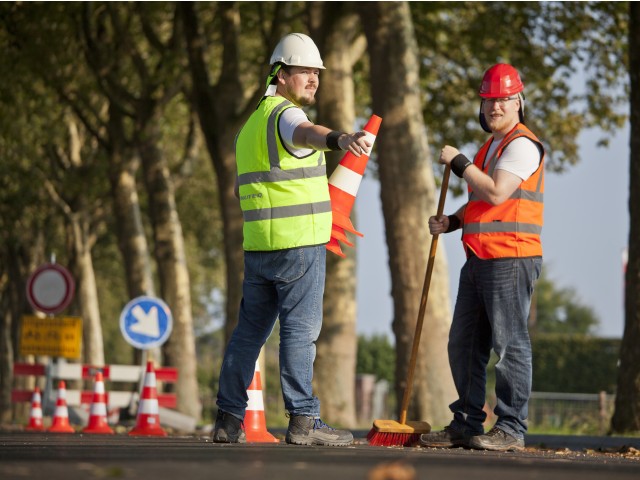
{"x": 305, "y": 101}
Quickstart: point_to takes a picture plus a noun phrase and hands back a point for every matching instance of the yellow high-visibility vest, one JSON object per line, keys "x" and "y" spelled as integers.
{"x": 284, "y": 199}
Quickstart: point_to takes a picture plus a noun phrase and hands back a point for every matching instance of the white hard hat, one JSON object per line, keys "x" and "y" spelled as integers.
{"x": 297, "y": 49}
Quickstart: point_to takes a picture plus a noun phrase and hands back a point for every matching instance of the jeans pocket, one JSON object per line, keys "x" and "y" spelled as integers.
{"x": 290, "y": 265}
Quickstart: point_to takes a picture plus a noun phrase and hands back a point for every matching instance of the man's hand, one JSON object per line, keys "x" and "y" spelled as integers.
{"x": 355, "y": 143}
{"x": 447, "y": 154}
{"x": 438, "y": 225}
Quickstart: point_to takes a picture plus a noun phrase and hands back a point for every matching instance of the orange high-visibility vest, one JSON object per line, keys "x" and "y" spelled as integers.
{"x": 513, "y": 228}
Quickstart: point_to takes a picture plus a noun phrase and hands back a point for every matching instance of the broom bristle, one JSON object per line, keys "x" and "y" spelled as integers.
{"x": 392, "y": 439}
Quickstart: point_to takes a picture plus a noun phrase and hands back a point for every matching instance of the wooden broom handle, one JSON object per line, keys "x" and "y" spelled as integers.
{"x": 423, "y": 301}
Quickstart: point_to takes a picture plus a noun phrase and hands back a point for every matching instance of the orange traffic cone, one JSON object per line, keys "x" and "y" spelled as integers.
{"x": 255, "y": 424}
{"x": 98, "y": 416}
{"x": 61, "y": 415}
{"x": 35, "y": 415}
{"x": 148, "y": 420}
{"x": 343, "y": 188}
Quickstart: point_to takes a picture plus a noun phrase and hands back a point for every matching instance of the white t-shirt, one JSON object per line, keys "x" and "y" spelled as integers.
{"x": 521, "y": 157}
{"x": 289, "y": 121}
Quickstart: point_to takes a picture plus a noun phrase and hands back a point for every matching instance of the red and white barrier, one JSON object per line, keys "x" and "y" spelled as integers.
{"x": 114, "y": 373}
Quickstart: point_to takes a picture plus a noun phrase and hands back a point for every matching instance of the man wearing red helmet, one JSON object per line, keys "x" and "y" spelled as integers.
{"x": 501, "y": 225}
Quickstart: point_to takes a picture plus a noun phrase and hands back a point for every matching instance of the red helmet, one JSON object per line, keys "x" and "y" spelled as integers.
{"x": 501, "y": 80}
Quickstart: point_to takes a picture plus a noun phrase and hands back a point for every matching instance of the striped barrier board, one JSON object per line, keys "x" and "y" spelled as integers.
{"x": 113, "y": 373}
{"x": 76, "y": 371}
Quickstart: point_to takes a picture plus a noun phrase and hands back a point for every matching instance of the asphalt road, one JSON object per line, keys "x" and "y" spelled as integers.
{"x": 81, "y": 456}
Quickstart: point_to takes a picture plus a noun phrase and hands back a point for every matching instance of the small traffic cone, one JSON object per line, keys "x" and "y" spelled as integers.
{"x": 148, "y": 419}
{"x": 255, "y": 424}
{"x": 98, "y": 415}
{"x": 61, "y": 416}
{"x": 35, "y": 415}
{"x": 343, "y": 188}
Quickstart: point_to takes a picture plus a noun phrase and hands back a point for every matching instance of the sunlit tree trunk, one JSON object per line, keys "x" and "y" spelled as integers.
{"x": 170, "y": 256}
{"x": 408, "y": 196}
{"x": 132, "y": 240}
{"x": 342, "y": 43}
{"x": 86, "y": 290}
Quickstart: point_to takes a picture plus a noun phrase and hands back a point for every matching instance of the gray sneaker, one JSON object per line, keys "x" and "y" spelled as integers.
{"x": 497, "y": 440}
{"x": 305, "y": 430}
{"x": 228, "y": 429}
{"x": 447, "y": 438}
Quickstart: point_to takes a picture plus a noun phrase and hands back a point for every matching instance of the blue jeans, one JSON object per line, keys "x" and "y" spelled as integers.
{"x": 284, "y": 284}
{"x": 492, "y": 311}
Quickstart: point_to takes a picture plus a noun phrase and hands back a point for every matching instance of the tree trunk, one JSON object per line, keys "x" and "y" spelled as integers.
{"x": 335, "y": 365}
{"x": 220, "y": 119}
{"x": 81, "y": 240}
{"x": 170, "y": 256}
{"x": 20, "y": 259}
{"x": 6, "y": 353}
{"x": 86, "y": 289}
{"x": 408, "y": 198}
{"x": 132, "y": 241}
{"x": 626, "y": 417}
{"x": 222, "y": 109}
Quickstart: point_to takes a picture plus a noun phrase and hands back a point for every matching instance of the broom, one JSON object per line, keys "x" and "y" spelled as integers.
{"x": 407, "y": 433}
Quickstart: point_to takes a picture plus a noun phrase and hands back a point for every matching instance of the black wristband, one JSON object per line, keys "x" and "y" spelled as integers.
{"x": 454, "y": 223}
{"x": 332, "y": 140}
{"x": 459, "y": 164}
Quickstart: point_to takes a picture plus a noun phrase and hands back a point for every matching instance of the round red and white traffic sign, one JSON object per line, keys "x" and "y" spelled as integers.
{"x": 50, "y": 288}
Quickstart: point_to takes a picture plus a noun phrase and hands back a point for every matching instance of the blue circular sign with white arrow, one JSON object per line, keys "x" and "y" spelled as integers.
{"x": 146, "y": 322}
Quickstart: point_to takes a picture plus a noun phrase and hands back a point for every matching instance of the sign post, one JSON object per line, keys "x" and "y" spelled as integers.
{"x": 50, "y": 289}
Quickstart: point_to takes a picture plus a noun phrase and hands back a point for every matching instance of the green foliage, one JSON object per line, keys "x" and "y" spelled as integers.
{"x": 558, "y": 310}
{"x": 376, "y": 355}
{"x": 552, "y": 44}
{"x": 48, "y": 81}
{"x": 574, "y": 363}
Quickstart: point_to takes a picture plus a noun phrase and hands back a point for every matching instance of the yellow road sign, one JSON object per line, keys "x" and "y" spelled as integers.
{"x": 55, "y": 337}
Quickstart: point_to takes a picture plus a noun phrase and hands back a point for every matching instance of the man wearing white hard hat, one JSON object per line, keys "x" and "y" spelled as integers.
{"x": 284, "y": 195}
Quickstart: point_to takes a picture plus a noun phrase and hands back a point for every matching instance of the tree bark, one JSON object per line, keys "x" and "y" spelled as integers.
{"x": 132, "y": 240}
{"x": 81, "y": 240}
{"x": 626, "y": 417}
{"x": 408, "y": 198}
{"x": 169, "y": 251}
{"x": 20, "y": 258}
{"x": 342, "y": 44}
{"x": 222, "y": 108}
{"x": 86, "y": 290}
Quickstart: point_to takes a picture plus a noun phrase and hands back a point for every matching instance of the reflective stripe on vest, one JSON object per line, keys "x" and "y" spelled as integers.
{"x": 513, "y": 228}
{"x": 284, "y": 199}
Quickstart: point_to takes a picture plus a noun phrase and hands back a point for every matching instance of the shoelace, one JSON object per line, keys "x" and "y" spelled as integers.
{"x": 319, "y": 424}
{"x": 495, "y": 432}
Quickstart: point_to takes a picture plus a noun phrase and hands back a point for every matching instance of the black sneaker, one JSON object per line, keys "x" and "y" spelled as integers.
{"x": 228, "y": 429}
{"x": 305, "y": 430}
{"x": 447, "y": 438}
{"x": 497, "y": 440}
